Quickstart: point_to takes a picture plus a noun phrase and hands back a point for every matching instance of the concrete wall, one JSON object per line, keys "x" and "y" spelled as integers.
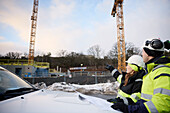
{"x": 76, "y": 80}
{"x": 20, "y": 70}
{"x": 26, "y": 70}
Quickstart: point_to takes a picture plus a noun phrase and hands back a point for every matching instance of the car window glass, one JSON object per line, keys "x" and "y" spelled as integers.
{"x": 10, "y": 81}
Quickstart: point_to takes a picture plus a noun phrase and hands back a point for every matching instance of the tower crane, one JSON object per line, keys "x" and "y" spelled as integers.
{"x": 33, "y": 32}
{"x": 118, "y": 11}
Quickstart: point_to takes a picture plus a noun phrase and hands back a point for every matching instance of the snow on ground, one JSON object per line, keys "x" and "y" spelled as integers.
{"x": 101, "y": 88}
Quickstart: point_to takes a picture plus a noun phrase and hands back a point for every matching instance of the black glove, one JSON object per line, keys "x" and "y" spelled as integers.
{"x": 130, "y": 101}
{"x": 112, "y": 100}
{"x": 115, "y": 100}
{"x": 120, "y": 106}
{"x": 109, "y": 67}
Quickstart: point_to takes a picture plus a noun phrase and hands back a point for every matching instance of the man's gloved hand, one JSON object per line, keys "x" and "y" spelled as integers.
{"x": 120, "y": 106}
{"x": 109, "y": 67}
{"x": 115, "y": 100}
{"x": 119, "y": 99}
{"x": 112, "y": 100}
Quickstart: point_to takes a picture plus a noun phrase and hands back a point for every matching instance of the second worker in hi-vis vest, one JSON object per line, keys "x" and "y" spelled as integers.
{"x": 129, "y": 91}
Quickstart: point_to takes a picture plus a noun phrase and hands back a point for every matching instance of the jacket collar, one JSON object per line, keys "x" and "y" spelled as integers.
{"x": 156, "y": 61}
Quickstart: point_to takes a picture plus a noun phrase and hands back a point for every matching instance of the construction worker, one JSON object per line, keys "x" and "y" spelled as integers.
{"x": 130, "y": 81}
{"x": 155, "y": 92}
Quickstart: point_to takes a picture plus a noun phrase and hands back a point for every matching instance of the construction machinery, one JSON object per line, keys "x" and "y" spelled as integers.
{"x": 118, "y": 11}
{"x": 33, "y": 32}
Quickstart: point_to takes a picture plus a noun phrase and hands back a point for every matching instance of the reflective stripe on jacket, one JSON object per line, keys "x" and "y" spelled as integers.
{"x": 132, "y": 90}
{"x": 156, "y": 88}
{"x": 135, "y": 96}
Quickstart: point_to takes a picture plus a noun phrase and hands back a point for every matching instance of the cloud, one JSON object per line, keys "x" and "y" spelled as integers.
{"x": 146, "y": 21}
{"x": 74, "y": 25}
{"x": 16, "y": 15}
{"x": 56, "y": 30}
{"x": 6, "y": 47}
{"x": 2, "y": 38}
{"x": 60, "y": 9}
{"x": 59, "y": 28}
{"x": 70, "y": 33}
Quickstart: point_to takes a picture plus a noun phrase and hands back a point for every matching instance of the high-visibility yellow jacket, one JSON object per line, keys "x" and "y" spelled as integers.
{"x": 155, "y": 93}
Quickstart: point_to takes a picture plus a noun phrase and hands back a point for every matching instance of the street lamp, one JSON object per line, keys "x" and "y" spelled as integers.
{"x": 81, "y": 69}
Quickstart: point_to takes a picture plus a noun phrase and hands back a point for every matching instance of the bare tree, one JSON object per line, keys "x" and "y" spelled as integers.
{"x": 26, "y": 55}
{"x": 62, "y": 53}
{"x": 13, "y": 55}
{"x": 113, "y": 53}
{"x": 95, "y": 51}
{"x": 48, "y": 54}
{"x": 130, "y": 50}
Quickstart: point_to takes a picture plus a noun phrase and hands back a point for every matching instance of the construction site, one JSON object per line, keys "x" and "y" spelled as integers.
{"x": 91, "y": 56}
{"x": 30, "y": 68}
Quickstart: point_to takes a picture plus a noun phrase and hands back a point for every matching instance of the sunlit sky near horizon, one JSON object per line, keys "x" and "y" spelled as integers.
{"x": 76, "y": 25}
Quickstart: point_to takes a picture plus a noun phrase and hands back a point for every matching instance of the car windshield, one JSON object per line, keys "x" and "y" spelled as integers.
{"x": 9, "y": 81}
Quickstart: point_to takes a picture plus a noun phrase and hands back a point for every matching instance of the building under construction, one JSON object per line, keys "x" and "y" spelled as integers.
{"x": 23, "y": 69}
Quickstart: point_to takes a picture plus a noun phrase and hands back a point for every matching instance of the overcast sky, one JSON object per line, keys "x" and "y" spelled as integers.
{"x": 76, "y": 25}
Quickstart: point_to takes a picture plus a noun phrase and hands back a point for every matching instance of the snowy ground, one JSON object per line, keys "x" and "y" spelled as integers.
{"x": 102, "y": 90}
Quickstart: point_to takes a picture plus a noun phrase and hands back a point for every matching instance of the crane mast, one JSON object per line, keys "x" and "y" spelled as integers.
{"x": 33, "y": 32}
{"x": 118, "y": 11}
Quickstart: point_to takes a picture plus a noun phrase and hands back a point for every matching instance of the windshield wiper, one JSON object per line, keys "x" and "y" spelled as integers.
{"x": 16, "y": 92}
{"x": 22, "y": 89}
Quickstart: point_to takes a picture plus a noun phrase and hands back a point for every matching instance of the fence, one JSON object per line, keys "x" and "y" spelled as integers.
{"x": 74, "y": 80}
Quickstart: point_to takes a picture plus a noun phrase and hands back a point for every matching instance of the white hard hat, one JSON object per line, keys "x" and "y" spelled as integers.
{"x": 154, "y": 44}
{"x": 137, "y": 60}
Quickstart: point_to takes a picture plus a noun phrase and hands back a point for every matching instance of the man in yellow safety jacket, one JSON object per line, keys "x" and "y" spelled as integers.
{"x": 155, "y": 93}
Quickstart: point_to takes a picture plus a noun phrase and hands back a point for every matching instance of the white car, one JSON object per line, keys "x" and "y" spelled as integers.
{"x": 18, "y": 96}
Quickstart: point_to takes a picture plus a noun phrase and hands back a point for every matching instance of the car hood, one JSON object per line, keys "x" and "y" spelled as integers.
{"x": 45, "y": 101}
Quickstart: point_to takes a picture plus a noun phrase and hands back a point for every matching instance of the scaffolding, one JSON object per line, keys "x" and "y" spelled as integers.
{"x": 24, "y": 63}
